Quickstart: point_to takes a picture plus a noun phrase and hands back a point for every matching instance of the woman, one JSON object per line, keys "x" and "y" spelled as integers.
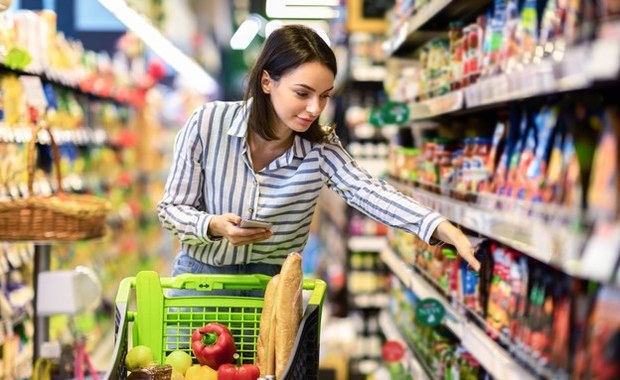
{"x": 267, "y": 158}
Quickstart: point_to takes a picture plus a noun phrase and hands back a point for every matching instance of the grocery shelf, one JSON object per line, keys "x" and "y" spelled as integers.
{"x": 437, "y": 106}
{"x": 370, "y": 300}
{"x": 374, "y": 73}
{"x": 410, "y": 361}
{"x": 578, "y": 68}
{"x": 431, "y": 20}
{"x": 490, "y": 354}
{"x": 81, "y": 136}
{"x": 366, "y": 243}
{"x": 66, "y": 79}
{"x": 547, "y": 233}
{"x": 421, "y": 288}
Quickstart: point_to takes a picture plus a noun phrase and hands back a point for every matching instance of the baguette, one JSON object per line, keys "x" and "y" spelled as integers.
{"x": 265, "y": 348}
{"x": 288, "y": 310}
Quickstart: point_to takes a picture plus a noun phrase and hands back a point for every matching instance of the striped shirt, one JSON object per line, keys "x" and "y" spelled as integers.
{"x": 212, "y": 174}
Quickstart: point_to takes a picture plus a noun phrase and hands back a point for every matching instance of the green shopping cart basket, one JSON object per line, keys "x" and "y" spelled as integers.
{"x": 166, "y": 323}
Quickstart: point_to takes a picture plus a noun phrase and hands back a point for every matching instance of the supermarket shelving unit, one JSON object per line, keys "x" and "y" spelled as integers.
{"x": 564, "y": 239}
{"x": 91, "y": 136}
{"x": 494, "y": 358}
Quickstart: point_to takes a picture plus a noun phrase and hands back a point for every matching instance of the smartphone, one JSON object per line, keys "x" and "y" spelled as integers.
{"x": 253, "y": 223}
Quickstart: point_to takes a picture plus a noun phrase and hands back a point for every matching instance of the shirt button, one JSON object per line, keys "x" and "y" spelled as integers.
{"x": 250, "y": 210}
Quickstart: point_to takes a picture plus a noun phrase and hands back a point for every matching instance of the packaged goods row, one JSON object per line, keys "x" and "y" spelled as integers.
{"x": 504, "y": 38}
{"x": 550, "y": 323}
{"x": 561, "y": 153}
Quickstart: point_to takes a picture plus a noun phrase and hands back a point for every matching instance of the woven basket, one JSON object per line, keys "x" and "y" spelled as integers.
{"x": 60, "y": 217}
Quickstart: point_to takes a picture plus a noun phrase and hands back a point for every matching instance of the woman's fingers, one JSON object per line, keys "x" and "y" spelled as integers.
{"x": 467, "y": 253}
{"x": 243, "y": 236}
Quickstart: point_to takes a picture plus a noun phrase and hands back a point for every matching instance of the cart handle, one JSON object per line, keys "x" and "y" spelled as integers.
{"x": 122, "y": 296}
{"x": 318, "y": 286}
{"x": 216, "y": 282}
{"x": 209, "y": 282}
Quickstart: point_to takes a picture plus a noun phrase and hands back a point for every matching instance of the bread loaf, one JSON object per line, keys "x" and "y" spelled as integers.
{"x": 265, "y": 352}
{"x": 288, "y": 310}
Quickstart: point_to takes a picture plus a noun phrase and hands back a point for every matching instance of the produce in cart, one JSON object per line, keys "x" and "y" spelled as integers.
{"x": 200, "y": 372}
{"x": 180, "y": 361}
{"x": 213, "y": 345}
{"x": 238, "y": 372}
{"x": 166, "y": 323}
{"x": 139, "y": 357}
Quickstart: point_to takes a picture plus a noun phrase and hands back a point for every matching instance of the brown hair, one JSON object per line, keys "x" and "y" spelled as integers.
{"x": 285, "y": 49}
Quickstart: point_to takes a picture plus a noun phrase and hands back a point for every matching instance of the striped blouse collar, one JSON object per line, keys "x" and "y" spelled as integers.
{"x": 239, "y": 128}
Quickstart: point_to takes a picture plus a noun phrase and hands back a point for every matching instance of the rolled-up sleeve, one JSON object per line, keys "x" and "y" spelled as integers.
{"x": 375, "y": 197}
{"x": 180, "y": 207}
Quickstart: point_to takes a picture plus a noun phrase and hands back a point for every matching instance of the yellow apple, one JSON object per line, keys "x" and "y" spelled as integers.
{"x": 139, "y": 357}
{"x": 179, "y": 360}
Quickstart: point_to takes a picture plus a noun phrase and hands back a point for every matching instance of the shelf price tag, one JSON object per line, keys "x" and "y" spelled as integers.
{"x": 395, "y": 112}
{"x": 430, "y": 312}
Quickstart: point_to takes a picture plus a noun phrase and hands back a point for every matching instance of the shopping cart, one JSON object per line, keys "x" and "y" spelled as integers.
{"x": 166, "y": 323}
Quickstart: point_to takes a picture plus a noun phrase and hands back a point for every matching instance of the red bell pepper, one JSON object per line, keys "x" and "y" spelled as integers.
{"x": 235, "y": 372}
{"x": 213, "y": 345}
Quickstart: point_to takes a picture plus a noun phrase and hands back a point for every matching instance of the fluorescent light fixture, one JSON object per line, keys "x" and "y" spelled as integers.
{"x": 300, "y": 9}
{"x": 321, "y": 27}
{"x": 186, "y": 67}
{"x": 245, "y": 33}
{"x": 315, "y": 3}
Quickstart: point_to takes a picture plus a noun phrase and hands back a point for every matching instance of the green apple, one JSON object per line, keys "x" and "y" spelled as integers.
{"x": 179, "y": 360}
{"x": 139, "y": 357}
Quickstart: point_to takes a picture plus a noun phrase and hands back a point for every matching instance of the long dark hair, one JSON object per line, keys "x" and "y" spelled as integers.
{"x": 285, "y": 49}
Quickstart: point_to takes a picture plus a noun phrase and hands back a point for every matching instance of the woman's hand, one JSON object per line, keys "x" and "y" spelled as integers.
{"x": 226, "y": 226}
{"x": 446, "y": 232}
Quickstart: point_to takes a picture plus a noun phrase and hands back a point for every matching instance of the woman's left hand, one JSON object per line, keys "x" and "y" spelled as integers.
{"x": 448, "y": 233}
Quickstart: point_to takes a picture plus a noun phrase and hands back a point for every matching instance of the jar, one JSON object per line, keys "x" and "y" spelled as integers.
{"x": 455, "y": 36}
{"x": 426, "y": 163}
{"x": 446, "y": 172}
{"x": 397, "y": 162}
{"x": 411, "y": 167}
{"x": 479, "y": 163}
{"x": 457, "y": 165}
{"x": 464, "y": 179}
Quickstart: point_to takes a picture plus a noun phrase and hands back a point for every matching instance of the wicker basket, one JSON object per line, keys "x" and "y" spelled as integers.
{"x": 60, "y": 217}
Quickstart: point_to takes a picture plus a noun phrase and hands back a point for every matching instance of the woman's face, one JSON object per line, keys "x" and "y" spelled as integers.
{"x": 300, "y": 96}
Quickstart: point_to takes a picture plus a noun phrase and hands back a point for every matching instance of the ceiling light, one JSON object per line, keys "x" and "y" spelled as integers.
{"x": 301, "y": 9}
{"x": 245, "y": 33}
